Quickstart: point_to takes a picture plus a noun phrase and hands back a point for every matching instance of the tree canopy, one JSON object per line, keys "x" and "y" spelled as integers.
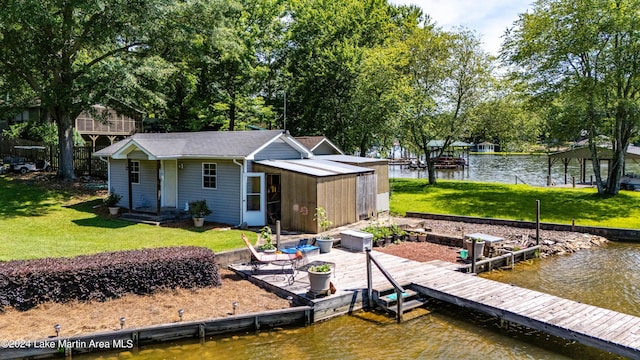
{"x": 365, "y": 73}
{"x": 580, "y": 59}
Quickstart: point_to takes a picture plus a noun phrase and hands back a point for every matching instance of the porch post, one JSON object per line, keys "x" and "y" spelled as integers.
{"x": 158, "y": 187}
{"x": 130, "y": 187}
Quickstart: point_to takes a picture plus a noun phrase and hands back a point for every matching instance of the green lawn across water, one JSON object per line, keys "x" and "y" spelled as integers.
{"x": 37, "y": 223}
{"x": 518, "y": 202}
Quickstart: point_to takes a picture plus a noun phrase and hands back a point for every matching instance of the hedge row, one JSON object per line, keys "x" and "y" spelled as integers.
{"x": 109, "y": 275}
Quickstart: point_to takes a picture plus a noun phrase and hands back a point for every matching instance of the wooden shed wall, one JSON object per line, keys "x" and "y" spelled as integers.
{"x": 382, "y": 170}
{"x": 298, "y": 199}
{"x": 337, "y": 194}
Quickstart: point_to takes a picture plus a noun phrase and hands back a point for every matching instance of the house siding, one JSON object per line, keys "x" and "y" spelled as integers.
{"x": 144, "y": 194}
{"x": 278, "y": 150}
{"x": 224, "y": 201}
{"x": 118, "y": 180}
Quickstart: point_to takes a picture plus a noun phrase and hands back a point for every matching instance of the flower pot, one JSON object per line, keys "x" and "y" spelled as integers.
{"x": 325, "y": 244}
{"x": 388, "y": 240}
{"x": 198, "y": 222}
{"x": 413, "y": 237}
{"x": 319, "y": 281}
{"x": 113, "y": 210}
{"x": 379, "y": 243}
{"x": 422, "y": 237}
{"x": 479, "y": 248}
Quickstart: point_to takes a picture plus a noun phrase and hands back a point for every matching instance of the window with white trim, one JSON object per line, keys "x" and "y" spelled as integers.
{"x": 209, "y": 176}
{"x": 135, "y": 172}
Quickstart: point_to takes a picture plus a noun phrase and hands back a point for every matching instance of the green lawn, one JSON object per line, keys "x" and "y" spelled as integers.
{"x": 557, "y": 205}
{"x": 37, "y": 223}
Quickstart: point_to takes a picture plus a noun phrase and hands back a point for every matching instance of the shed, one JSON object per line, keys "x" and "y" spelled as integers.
{"x": 381, "y": 168}
{"x": 347, "y": 192}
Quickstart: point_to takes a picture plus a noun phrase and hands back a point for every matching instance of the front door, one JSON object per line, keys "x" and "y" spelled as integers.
{"x": 254, "y": 205}
{"x": 169, "y": 178}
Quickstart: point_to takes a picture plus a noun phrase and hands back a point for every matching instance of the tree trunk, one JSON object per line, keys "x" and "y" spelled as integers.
{"x": 431, "y": 169}
{"x": 65, "y": 143}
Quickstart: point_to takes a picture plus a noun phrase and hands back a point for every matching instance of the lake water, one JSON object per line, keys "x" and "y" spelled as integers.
{"x": 605, "y": 277}
{"x": 530, "y": 169}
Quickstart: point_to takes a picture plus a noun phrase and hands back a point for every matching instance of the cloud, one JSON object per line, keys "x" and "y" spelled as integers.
{"x": 489, "y": 18}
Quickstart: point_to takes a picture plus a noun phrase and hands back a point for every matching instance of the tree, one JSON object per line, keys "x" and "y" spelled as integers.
{"x": 328, "y": 49}
{"x": 63, "y": 51}
{"x": 584, "y": 56}
{"x": 505, "y": 116}
{"x": 448, "y": 72}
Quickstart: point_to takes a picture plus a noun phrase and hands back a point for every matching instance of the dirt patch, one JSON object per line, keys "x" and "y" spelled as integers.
{"x": 88, "y": 317}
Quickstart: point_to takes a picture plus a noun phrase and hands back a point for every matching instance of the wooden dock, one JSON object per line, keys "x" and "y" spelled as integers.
{"x": 590, "y": 325}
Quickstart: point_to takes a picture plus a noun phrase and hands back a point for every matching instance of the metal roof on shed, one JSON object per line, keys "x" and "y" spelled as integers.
{"x": 315, "y": 167}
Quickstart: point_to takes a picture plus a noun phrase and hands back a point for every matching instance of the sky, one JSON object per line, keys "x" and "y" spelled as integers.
{"x": 489, "y": 18}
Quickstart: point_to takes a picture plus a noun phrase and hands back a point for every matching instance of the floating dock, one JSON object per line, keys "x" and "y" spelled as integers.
{"x": 604, "y": 329}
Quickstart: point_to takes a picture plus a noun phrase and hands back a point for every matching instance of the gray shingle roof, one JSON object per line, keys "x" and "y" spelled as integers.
{"x": 232, "y": 144}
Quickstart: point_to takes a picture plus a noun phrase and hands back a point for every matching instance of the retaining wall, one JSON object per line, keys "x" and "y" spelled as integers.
{"x": 616, "y": 234}
{"x": 132, "y": 338}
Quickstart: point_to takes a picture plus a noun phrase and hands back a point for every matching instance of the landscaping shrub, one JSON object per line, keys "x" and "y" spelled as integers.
{"x": 103, "y": 276}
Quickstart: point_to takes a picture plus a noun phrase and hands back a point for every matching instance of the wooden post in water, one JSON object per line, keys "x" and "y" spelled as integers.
{"x": 537, "y": 222}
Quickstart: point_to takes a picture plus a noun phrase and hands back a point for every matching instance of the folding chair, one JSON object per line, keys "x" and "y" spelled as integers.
{"x": 260, "y": 259}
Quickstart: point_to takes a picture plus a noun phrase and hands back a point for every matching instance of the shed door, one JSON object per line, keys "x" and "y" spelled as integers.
{"x": 254, "y": 202}
{"x": 366, "y": 191}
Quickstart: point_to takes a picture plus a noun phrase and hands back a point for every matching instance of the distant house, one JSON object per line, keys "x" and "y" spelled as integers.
{"x": 252, "y": 177}
{"x": 99, "y": 127}
{"x": 485, "y": 147}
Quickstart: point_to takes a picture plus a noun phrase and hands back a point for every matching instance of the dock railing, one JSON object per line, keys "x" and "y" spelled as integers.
{"x": 398, "y": 289}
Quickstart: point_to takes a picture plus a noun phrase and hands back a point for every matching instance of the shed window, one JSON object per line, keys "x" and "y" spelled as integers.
{"x": 209, "y": 176}
{"x": 135, "y": 172}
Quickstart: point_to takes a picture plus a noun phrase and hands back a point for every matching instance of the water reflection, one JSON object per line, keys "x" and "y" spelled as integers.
{"x": 530, "y": 169}
{"x": 442, "y": 332}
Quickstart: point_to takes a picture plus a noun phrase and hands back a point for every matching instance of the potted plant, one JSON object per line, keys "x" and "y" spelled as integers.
{"x": 320, "y": 278}
{"x": 325, "y": 242}
{"x": 387, "y": 235}
{"x": 398, "y": 233}
{"x": 479, "y": 246}
{"x": 111, "y": 201}
{"x": 199, "y": 210}
{"x": 265, "y": 235}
